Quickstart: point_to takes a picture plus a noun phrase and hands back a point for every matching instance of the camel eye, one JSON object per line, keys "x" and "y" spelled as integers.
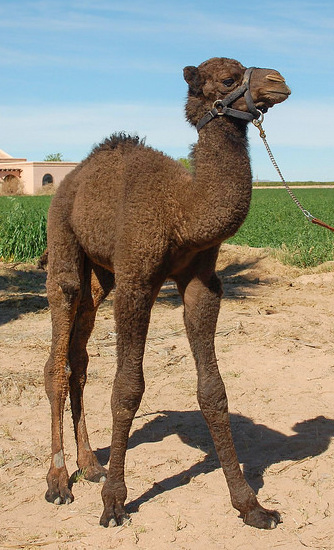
{"x": 228, "y": 82}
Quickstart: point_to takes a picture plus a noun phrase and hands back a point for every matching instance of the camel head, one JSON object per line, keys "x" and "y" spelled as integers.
{"x": 226, "y": 84}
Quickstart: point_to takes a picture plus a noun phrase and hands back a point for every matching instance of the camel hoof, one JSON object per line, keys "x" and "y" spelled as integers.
{"x": 58, "y": 498}
{"x": 107, "y": 521}
{"x": 96, "y": 474}
{"x": 114, "y": 496}
{"x": 262, "y": 519}
{"x": 60, "y": 501}
{"x": 98, "y": 477}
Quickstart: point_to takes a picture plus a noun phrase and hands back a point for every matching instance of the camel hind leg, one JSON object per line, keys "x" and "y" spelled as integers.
{"x": 97, "y": 284}
{"x": 63, "y": 288}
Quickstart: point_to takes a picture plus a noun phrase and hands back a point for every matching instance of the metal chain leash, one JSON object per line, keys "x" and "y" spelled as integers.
{"x": 307, "y": 214}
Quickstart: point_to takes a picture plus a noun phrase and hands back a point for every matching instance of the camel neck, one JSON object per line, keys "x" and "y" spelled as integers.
{"x": 220, "y": 142}
{"x": 222, "y": 183}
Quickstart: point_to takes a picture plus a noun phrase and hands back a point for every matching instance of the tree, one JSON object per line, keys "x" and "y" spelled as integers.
{"x": 188, "y": 162}
{"x": 54, "y": 157}
{"x": 185, "y": 162}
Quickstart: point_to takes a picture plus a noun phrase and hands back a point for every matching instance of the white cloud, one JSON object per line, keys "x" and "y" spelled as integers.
{"x": 108, "y": 36}
{"x": 255, "y": 27}
{"x": 299, "y": 135}
{"x": 74, "y": 129}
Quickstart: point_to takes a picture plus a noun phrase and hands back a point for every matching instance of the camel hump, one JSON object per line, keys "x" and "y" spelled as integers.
{"x": 118, "y": 139}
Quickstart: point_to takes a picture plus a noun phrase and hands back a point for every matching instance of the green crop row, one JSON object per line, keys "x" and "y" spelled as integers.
{"x": 274, "y": 221}
{"x": 23, "y": 227}
{"x": 293, "y": 183}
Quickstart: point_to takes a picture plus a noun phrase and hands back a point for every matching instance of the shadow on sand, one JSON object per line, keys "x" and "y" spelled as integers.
{"x": 258, "y": 446}
{"x": 21, "y": 292}
{"x": 235, "y": 283}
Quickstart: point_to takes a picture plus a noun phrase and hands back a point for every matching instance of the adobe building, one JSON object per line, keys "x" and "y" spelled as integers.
{"x": 29, "y": 178}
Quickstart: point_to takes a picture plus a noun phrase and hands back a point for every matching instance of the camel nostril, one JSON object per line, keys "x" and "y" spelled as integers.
{"x": 275, "y": 78}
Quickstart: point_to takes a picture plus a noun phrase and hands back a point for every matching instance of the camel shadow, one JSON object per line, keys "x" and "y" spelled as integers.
{"x": 234, "y": 280}
{"x": 257, "y": 446}
{"x": 22, "y": 292}
{"x": 239, "y": 277}
{"x": 25, "y": 289}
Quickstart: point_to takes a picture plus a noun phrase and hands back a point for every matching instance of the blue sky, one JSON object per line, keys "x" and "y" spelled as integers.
{"x": 75, "y": 71}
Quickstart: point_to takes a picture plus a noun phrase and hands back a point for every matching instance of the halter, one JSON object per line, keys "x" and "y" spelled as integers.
{"x": 220, "y": 106}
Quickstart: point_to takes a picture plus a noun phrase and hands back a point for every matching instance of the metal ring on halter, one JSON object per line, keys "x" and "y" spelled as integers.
{"x": 215, "y": 104}
{"x": 258, "y": 121}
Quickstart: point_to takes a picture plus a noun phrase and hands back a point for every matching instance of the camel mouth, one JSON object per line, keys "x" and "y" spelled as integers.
{"x": 262, "y": 107}
{"x": 280, "y": 92}
{"x": 271, "y": 98}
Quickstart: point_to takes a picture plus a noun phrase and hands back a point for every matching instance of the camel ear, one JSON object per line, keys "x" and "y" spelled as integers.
{"x": 192, "y": 77}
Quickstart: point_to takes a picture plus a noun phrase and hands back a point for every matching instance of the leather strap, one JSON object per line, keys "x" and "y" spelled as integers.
{"x": 221, "y": 106}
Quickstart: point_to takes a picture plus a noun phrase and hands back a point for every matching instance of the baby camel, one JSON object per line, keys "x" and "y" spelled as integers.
{"x": 131, "y": 216}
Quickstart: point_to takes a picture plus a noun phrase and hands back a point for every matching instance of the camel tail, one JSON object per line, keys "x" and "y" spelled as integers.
{"x": 43, "y": 260}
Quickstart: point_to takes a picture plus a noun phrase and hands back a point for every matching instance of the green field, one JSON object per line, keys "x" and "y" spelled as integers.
{"x": 23, "y": 227}
{"x": 293, "y": 183}
{"x": 274, "y": 222}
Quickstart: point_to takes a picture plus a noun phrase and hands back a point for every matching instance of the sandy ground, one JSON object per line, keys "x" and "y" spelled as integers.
{"x": 276, "y": 354}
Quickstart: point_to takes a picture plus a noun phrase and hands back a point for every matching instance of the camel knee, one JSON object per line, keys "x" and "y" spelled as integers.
{"x": 127, "y": 398}
{"x": 66, "y": 284}
{"x": 78, "y": 376}
{"x": 78, "y": 363}
{"x": 56, "y": 377}
{"x": 203, "y": 289}
{"x": 127, "y": 395}
{"x": 215, "y": 286}
{"x": 71, "y": 288}
{"x": 212, "y": 398}
{"x": 202, "y": 304}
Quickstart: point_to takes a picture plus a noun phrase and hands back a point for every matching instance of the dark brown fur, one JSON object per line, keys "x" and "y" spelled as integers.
{"x": 132, "y": 216}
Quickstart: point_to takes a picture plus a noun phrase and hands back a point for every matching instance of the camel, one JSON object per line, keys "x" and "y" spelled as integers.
{"x": 131, "y": 217}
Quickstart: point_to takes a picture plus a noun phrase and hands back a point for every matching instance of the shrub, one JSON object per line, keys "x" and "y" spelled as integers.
{"x": 11, "y": 186}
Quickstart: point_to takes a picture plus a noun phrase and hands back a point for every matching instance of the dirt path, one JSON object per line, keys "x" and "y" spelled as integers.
{"x": 276, "y": 354}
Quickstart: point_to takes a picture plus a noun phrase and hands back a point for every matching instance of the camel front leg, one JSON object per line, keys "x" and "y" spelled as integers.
{"x": 202, "y": 301}
{"x": 132, "y": 313}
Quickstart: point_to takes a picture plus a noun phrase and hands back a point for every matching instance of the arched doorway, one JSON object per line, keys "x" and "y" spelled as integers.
{"x": 47, "y": 179}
